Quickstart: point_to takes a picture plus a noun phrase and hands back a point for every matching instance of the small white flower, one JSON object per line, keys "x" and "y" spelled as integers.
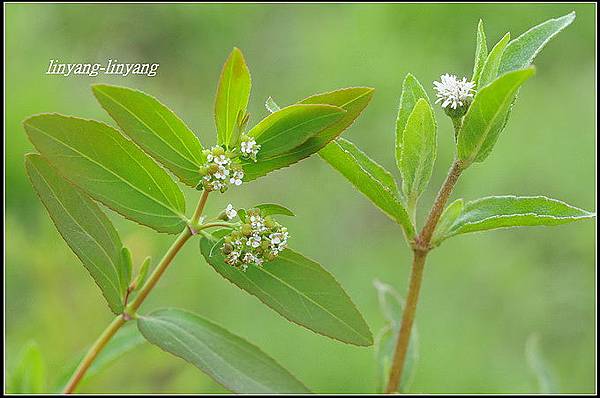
{"x": 249, "y": 148}
{"x": 254, "y": 241}
{"x": 236, "y": 178}
{"x": 222, "y": 160}
{"x": 230, "y": 212}
{"x": 453, "y": 92}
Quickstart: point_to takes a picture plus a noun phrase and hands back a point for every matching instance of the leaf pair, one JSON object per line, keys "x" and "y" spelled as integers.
{"x": 498, "y": 76}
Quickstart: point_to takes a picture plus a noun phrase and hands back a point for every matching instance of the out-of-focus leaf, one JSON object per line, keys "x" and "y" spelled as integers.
{"x": 291, "y": 126}
{"x": 301, "y": 291}
{"x": 155, "y": 128}
{"x": 124, "y": 341}
{"x": 391, "y": 305}
{"x": 538, "y": 366}
{"x": 486, "y": 117}
{"x": 233, "y": 362}
{"x": 232, "y": 98}
{"x": 29, "y": 375}
{"x": 370, "y": 178}
{"x": 84, "y": 227}
{"x": 352, "y": 100}
{"x": 512, "y": 211}
{"x": 412, "y": 91}
{"x": 521, "y": 51}
{"x": 481, "y": 53}
{"x": 109, "y": 168}
{"x": 418, "y": 151}
{"x": 492, "y": 62}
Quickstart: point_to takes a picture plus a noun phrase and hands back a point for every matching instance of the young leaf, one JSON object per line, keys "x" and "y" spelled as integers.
{"x": 447, "y": 219}
{"x": 125, "y": 269}
{"x": 301, "y": 291}
{"x": 538, "y": 366}
{"x": 29, "y": 376}
{"x": 352, "y": 100}
{"x": 232, "y": 98}
{"x": 392, "y": 306}
{"x": 486, "y": 116}
{"x": 512, "y": 211}
{"x": 520, "y": 52}
{"x": 125, "y": 340}
{"x": 370, "y": 178}
{"x": 155, "y": 128}
{"x": 481, "y": 53}
{"x": 84, "y": 227}
{"x": 238, "y": 365}
{"x": 109, "y": 168}
{"x": 291, "y": 126}
{"x": 271, "y": 105}
{"x": 418, "y": 151}
{"x": 492, "y": 62}
{"x": 140, "y": 279}
{"x": 271, "y": 209}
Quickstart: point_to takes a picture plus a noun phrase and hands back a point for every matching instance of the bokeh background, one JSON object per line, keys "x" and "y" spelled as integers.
{"x": 483, "y": 294}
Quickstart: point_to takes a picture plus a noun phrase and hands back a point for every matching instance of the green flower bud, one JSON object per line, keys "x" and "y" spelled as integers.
{"x": 246, "y": 229}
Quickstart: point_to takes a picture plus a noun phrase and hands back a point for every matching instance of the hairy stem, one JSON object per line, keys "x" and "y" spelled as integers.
{"x": 421, "y": 247}
{"x": 130, "y": 311}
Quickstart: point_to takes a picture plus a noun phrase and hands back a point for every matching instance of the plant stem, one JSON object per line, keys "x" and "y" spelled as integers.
{"x": 131, "y": 309}
{"x": 421, "y": 247}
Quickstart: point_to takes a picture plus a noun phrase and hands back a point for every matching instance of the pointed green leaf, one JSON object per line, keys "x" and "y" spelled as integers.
{"x": 392, "y": 306}
{"x": 84, "y": 227}
{"x": 109, "y": 168}
{"x": 155, "y": 128}
{"x": 232, "y": 98}
{"x": 29, "y": 375}
{"x": 272, "y": 209}
{"x": 238, "y": 365}
{"x": 352, "y": 100}
{"x": 521, "y": 51}
{"x": 370, "y": 178}
{"x": 412, "y": 91}
{"x": 492, "y": 62}
{"x": 419, "y": 148}
{"x": 140, "y": 279}
{"x": 512, "y": 211}
{"x": 125, "y": 340}
{"x": 300, "y": 290}
{"x": 125, "y": 269}
{"x": 447, "y": 219}
{"x": 271, "y": 105}
{"x": 481, "y": 53}
{"x": 486, "y": 116}
{"x": 291, "y": 126}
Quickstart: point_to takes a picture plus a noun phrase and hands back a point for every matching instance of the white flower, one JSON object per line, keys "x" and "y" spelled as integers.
{"x": 236, "y": 178}
{"x": 254, "y": 241}
{"x": 453, "y": 92}
{"x": 249, "y": 148}
{"x": 230, "y": 212}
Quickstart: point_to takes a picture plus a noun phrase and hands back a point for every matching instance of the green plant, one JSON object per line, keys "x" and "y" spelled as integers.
{"x": 82, "y": 162}
{"x": 479, "y": 110}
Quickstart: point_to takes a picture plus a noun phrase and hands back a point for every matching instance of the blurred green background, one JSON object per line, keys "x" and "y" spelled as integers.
{"x": 483, "y": 294}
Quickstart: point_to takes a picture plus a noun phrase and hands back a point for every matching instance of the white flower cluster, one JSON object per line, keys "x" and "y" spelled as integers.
{"x": 248, "y": 147}
{"x": 220, "y": 170}
{"x": 258, "y": 240}
{"x": 453, "y": 92}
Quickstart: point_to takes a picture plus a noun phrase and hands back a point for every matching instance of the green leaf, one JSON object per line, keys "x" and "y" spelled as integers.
{"x": 232, "y": 98}
{"x": 418, "y": 151}
{"x": 370, "y": 178}
{"x": 155, "y": 128}
{"x": 301, "y": 291}
{"x": 271, "y": 209}
{"x": 492, "y": 62}
{"x": 392, "y": 306}
{"x": 412, "y": 91}
{"x": 140, "y": 279}
{"x": 352, "y": 100}
{"x": 238, "y": 365}
{"x": 486, "y": 116}
{"x": 447, "y": 219}
{"x": 84, "y": 227}
{"x": 29, "y": 375}
{"x": 539, "y": 366}
{"x": 125, "y": 269}
{"x": 125, "y": 340}
{"x": 481, "y": 53}
{"x": 512, "y": 211}
{"x": 291, "y": 126}
{"x": 110, "y": 168}
{"x": 271, "y": 105}
{"x": 521, "y": 51}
